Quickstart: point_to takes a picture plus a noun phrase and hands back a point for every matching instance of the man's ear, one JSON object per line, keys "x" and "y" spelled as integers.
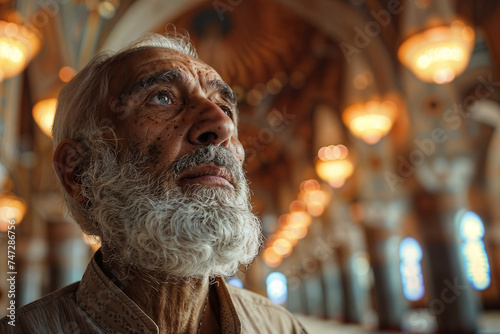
{"x": 67, "y": 158}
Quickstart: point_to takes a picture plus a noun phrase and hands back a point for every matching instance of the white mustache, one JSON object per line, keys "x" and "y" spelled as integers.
{"x": 217, "y": 155}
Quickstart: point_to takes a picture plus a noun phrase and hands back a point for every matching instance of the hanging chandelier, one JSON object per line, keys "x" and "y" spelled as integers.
{"x": 333, "y": 166}
{"x": 18, "y": 45}
{"x": 437, "y": 45}
{"x": 371, "y": 120}
{"x": 438, "y": 54}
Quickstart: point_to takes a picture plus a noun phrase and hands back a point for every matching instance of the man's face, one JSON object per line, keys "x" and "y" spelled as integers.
{"x": 165, "y": 104}
{"x": 174, "y": 200}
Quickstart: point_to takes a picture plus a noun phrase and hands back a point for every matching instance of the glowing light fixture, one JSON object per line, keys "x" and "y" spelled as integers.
{"x": 333, "y": 166}
{"x": 291, "y": 237}
{"x": 18, "y": 45}
{"x": 282, "y": 247}
{"x": 438, "y": 54}
{"x": 300, "y": 219}
{"x": 370, "y": 121}
{"x": 298, "y": 231}
{"x": 477, "y": 267}
{"x": 437, "y": 45}
{"x": 314, "y": 197}
{"x": 271, "y": 258}
{"x": 43, "y": 113}
{"x": 290, "y": 230}
{"x": 66, "y": 73}
{"x": 410, "y": 269}
{"x": 11, "y": 208}
{"x": 276, "y": 287}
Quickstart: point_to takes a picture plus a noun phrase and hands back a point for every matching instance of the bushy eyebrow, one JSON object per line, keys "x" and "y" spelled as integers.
{"x": 177, "y": 76}
{"x": 173, "y": 76}
{"x": 223, "y": 89}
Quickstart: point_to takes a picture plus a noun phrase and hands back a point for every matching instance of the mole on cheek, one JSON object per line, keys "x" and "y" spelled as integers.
{"x": 176, "y": 127}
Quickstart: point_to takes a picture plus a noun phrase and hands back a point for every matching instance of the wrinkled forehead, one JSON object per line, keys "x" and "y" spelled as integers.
{"x": 146, "y": 62}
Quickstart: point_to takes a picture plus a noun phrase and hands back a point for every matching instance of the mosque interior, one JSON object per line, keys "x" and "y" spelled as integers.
{"x": 369, "y": 129}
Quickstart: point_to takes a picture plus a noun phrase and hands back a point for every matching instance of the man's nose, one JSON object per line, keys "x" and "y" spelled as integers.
{"x": 211, "y": 125}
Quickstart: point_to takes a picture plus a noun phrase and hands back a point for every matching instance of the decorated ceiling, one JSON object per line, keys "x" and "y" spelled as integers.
{"x": 294, "y": 65}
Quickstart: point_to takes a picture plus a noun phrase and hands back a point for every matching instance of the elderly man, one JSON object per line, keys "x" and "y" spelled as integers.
{"x": 147, "y": 152}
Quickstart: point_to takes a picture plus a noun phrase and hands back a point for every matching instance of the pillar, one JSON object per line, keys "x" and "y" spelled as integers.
{"x": 452, "y": 299}
{"x": 383, "y": 247}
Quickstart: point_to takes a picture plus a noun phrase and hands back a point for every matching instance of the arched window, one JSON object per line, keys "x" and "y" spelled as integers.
{"x": 276, "y": 287}
{"x": 410, "y": 269}
{"x": 477, "y": 267}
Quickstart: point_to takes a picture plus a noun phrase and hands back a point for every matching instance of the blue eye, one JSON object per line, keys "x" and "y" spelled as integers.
{"x": 227, "y": 111}
{"x": 162, "y": 98}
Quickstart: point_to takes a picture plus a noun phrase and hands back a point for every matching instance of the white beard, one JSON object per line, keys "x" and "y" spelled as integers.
{"x": 151, "y": 225}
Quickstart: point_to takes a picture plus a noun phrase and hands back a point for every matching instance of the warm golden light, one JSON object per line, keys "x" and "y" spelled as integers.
{"x": 282, "y": 247}
{"x": 283, "y": 220}
{"x": 370, "y": 121}
{"x": 66, "y": 73}
{"x": 333, "y": 166}
{"x": 315, "y": 209}
{"x": 297, "y": 206}
{"x": 18, "y": 45}
{"x": 333, "y": 152}
{"x": 316, "y": 201}
{"x": 292, "y": 227}
{"x": 438, "y": 54}
{"x": 309, "y": 185}
{"x": 287, "y": 235}
{"x": 43, "y": 113}
{"x": 11, "y": 208}
{"x": 311, "y": 193}
{"x": 299, "y": 231}
{"x": 271, "y": 258}
{"x": 299, "y": 219}
{"x": 91, "y": 241}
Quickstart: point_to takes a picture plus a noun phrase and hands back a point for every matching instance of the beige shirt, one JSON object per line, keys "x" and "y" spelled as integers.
{"x": 97, "y": 305}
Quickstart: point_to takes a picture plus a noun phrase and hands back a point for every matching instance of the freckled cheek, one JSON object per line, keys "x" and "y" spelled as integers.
{"x": 238, "y": 150}
{"x": 171, "y": 146}
{"x": 159, "y": 142}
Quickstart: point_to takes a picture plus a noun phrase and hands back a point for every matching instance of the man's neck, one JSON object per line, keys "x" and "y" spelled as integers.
{"x": 175, "y": 305}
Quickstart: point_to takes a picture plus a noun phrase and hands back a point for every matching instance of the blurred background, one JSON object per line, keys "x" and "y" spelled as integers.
{"x": 371, "y": 147}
